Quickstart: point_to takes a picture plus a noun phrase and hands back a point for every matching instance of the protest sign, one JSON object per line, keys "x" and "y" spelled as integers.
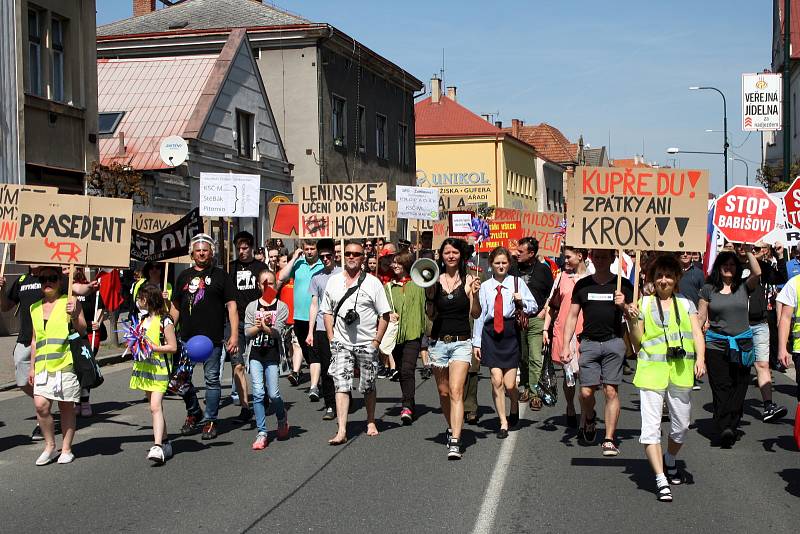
{"x": 283, "y": 220}
{"x": 745, "y": 214}
{"x": 460, "y": 222}
{"x": 501, "y": 234}
{"x": 639, "y": 209}
{"x": 791, "y": 203}
{"x": 9, "y": 198}
{"x": 546, "y": 227}
{"x": 391, "y": 215}
{"x": 342, "y": 211}
{"x": 420, "y": 203}
{"x": 168, "y": 242}
{"x": 62, "y": 229}
{"x": 229, "y": 195}
{"x": 784, "y": 233}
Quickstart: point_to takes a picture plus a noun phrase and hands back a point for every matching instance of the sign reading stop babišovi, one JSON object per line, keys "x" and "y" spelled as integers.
{"x": 638, "y": 209}
{"x": 75, "y": 229}
{"x": 342, "y": 211}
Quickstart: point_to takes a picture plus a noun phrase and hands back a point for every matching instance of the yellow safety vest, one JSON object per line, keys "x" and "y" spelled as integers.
{"x": 52, "y": 343}
{"x": 147, "y": 373}
{"x": 653, "y": 369}
{"x": 795, "y": 280}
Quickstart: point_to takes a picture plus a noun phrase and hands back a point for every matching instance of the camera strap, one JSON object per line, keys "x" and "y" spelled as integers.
{"x": 348, "y": 294}
{"x": 677, "y": 318}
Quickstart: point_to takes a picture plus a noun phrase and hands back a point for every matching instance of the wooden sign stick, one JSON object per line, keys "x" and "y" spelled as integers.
{"x": 619, "y": 269}
{"x": 5, "y": 256}
{"x": 166, "y": 274}
{"x": 637, "y": 277}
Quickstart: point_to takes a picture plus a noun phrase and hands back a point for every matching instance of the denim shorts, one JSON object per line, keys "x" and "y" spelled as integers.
{"x": 440, "y": 354}
{"x": 761, "y": 341}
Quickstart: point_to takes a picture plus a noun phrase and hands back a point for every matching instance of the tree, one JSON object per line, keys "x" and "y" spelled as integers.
{"x": 117, "y": 181}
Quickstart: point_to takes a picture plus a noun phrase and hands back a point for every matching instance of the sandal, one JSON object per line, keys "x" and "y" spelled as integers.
{"x": 334, "y": 442}
{"x": 536, "y": 404}
{"x": 673, "y": 475}
{"x": 664, "y": 494}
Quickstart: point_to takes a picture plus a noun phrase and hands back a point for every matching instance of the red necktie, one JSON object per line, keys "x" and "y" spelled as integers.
{"x": 498, "y": 310}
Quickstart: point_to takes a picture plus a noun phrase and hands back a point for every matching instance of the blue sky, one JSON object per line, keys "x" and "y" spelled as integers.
{"x": 586, "y": 67}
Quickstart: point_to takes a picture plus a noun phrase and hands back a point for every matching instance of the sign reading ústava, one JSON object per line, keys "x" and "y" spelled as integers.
{"x": 761, "y": 102}
{"x": 229, "y": 195}
{"x": 342, "y": 211}
{"x": 639, "y": 209}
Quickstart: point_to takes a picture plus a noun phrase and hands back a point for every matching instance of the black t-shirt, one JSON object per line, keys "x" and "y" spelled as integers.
{"x": 200, "y": 297}
{"x": 539, "y": 279}
{"x": 691, "y": 283}
{"x": 245, "y": 279}
{"x": 601, "y": 318}
{"x": 25, "y": 291}
{"x": 265, "y": 347}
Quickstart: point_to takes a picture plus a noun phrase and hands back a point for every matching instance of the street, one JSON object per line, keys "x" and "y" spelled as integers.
{"x": 539, "y": 479}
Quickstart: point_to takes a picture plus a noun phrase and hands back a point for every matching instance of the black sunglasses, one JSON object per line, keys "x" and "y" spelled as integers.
{"x": 351, "y": 254}
{"x": 49, "y": 278}
{"x": 325, "y": 255}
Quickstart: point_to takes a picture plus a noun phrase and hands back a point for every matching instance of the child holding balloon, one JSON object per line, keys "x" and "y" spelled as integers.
{"x": 155, "y": 343}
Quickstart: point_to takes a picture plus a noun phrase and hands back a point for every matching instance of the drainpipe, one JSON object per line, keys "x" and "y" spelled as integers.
{"x": 496, "y": 181}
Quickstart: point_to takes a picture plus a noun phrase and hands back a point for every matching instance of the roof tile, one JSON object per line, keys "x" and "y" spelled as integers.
{"x": 449, "y": 118}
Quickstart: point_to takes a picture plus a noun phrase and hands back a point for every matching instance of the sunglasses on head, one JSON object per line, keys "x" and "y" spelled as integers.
{"x": 49, "y": 278}
{"x": 352, "y": 254}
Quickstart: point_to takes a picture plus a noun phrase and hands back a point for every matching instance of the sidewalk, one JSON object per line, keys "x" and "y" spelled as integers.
{"x": 108, "y": 355}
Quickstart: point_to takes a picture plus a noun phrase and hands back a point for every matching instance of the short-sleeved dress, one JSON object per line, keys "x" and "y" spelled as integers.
{"x": 152, "y": 373}
{"x": 565, "y": 286}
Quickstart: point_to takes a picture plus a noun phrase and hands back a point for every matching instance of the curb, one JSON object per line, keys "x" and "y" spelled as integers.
{"x": 108, "y": 359}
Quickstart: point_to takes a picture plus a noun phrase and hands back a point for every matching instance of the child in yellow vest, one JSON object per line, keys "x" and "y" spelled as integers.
{"x": 151, "y": 369}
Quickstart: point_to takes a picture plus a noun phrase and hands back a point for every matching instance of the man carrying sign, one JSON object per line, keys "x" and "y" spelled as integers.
{"x": 602, "y": 350}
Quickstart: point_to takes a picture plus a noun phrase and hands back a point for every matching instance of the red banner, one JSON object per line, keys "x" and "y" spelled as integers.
{"x": 502, "y": 234}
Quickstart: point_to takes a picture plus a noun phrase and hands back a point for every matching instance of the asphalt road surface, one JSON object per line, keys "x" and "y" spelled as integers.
{"x": 538, "y": 480}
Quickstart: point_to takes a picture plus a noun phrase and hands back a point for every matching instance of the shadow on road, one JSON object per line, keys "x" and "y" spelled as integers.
{"x": 792, "y": 479}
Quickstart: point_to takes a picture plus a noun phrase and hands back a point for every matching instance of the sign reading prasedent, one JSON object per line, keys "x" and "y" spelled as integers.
{"x": 761, "y": 102}
{"x": 76, "y": 229}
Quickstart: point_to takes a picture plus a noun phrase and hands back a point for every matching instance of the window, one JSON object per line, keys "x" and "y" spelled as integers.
{"x": 362, "y": 129}
{"x": 34, "y": 53}
{"x": 380, "y": 137}
{"x": 549, "y": 208}
{"x": 339, "y": 120}
{"x": 108, "y": 121}
{"x": 57, "y": 49}
{"x": 402, "y": 144}
{"x": 244, "y": 134}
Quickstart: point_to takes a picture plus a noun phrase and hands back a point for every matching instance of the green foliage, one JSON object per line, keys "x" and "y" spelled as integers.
{"x": 117, "y": 181}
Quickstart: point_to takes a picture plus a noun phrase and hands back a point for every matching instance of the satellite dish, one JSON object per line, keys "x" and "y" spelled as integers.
{"x": 174, "y": 150}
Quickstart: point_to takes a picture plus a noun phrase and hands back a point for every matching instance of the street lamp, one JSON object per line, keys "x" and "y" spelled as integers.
{"x": 747, "y": 170}
{"x": 724, "y": 124}
{"x": 676, "y": 150}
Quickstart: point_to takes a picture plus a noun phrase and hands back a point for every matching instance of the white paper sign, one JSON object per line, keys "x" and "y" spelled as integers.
{"x": 420, "y": 203}
{"x": 761, "y": 102}
{"x": 784, "y": 233}
{"x": 229, "y": 195}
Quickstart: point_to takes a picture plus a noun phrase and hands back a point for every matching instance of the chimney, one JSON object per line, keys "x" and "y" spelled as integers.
{"x": 498, "y": 124}
{"x": 516, "y": 124}
{"x": 121, "y": 145}
{"x": 143, "y": 7}
{"x": 436, "y": 90}
{"x": 451, "y": 93}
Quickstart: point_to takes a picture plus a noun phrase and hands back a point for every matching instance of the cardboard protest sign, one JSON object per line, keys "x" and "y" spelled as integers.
{"x": 784, "y": 233}
{"x": 62, "y": 229}
{"x": 171, "y": 241}
{"x": 342, "y": 211}
{"x": 420, "y": 203}
{"x": 391, "y": 215}
{"x": 283, "y": 220}
{"x": 501, "y": 234}
{"x": 229, "y": 195}
{"x": 546, "y": 227}
{"x": 9, "y": 198}
{"x": 639, "y": 209}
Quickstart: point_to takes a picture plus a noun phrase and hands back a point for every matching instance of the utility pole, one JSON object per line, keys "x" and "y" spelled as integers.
{"x": 787, "y": 126}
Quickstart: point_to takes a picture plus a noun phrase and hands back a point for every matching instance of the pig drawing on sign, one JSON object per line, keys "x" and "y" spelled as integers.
{"x": 63, "y": 251}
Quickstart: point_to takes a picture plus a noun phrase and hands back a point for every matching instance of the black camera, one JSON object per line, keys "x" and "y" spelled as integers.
{"x": 351, "y": 317}
{"x": 676, "y": 353}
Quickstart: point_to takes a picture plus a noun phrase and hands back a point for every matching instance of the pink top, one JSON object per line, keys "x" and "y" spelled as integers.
{"x": 562, "y": 298}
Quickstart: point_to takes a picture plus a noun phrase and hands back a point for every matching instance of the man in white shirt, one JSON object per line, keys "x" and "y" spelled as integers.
{"x": 356, "y": 314}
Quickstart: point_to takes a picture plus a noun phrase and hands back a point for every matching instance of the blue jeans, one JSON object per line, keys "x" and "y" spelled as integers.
{"x": 257, "y": 373}
{"x": 211, "y": 375}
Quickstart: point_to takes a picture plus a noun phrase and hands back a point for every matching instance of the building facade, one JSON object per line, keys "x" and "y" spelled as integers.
{"x": 462, "y": 154}
{"x": 48, "y": 106}
{"x": 344, "y": 113}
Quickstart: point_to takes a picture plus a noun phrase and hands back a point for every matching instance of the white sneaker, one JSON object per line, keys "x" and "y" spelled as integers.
{"x": 167, "y": 448}
{"x": 156, "y": 454}
{"x": 66, "y": 458}
{"x": 47, "y": 457}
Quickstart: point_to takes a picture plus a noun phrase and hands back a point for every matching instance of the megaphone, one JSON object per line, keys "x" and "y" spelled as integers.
{"x": 424, "y": 272}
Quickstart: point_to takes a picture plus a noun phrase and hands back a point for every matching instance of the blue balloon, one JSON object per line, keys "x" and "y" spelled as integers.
{"x": 199, "y": 348}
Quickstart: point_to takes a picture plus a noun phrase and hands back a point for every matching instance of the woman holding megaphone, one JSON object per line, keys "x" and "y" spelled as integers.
{"x": 451, "y": 301}
{"x": 407, "y": 300}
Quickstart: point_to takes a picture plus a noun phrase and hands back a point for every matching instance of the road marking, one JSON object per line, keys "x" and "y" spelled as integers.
{"x": 491, "y": 499}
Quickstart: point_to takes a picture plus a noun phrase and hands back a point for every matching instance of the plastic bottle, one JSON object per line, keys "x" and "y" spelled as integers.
{"x": 569, "y": 376}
